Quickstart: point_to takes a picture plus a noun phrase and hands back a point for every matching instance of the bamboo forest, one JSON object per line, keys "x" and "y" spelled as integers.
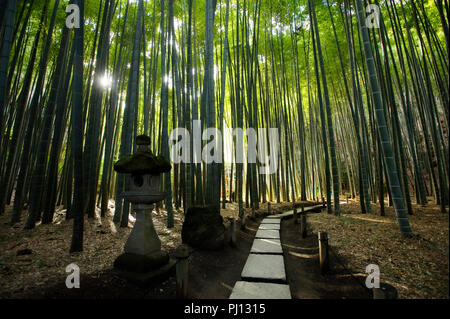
{"x": 282, "y": 149}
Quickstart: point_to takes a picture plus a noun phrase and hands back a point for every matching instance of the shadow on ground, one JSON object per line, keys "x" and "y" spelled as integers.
{"x": 303, "y": 272}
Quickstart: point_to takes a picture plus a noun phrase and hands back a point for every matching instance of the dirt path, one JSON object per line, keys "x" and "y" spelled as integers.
{"x": 213, "y": 274}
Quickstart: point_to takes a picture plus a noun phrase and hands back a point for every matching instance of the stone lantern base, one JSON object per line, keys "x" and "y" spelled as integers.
{"x": 143, "y": 261}
{"x": 143, "y": 278}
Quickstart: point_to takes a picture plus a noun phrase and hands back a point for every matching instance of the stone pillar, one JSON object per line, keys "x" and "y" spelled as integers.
{"x": 143, "y": 261}
{"x": 143, "y": 238}
{"x": 142, "y": 251}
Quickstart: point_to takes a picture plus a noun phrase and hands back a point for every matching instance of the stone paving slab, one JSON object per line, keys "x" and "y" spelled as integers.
{"x": 271, "y": 221}
{"x": 268, "y": 234}
{"x": 260, "y": 290}
{"x": 279, "y": 216}
{"x": 288, "y": 213}
{"x": 267, "y": 246}
{"x": 264, "y": 267}
{"x": 269, "y": 226}
{"x": 291, "y": 212}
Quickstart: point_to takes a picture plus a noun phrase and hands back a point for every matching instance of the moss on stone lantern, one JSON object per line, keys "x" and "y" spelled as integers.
{"x": 145, "y": 169}
{"x": 142, "y": 162}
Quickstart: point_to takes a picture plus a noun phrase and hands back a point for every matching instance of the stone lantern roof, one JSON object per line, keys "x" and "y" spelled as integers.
{"x": 143, "y": 161}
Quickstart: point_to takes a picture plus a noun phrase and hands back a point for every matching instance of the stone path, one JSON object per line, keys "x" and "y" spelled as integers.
{"x": 272, "y": 221}
{"x": 267, "y": 246}
{"x": 260, "y": 290}
{"x": 264, "y": 268}
{"x": 291, "y": 212}
{"x": 270, "y": 227}
{"x": 264, "y": 274}
{"x": 268, "y": 234}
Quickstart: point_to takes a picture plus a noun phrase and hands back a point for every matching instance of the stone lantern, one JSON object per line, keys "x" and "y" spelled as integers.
{"x": 143, "y": 260}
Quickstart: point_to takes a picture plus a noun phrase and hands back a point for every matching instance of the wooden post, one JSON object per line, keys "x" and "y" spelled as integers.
{"x": 323, "y": 252}
{"x": 323, "y": 202}
{"x": 182, "y": 270}
{"x": 303, "y": 222}
{"x": 295, "y": 215}
{"x": 232, "y": 231}
{"x": 269, "y": 210}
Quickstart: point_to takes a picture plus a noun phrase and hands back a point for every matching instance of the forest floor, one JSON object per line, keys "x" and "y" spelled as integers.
{"x": 301, "y": 257}
{"x": 417, "y": 267}
{"x": 33, "y": 262}
{"x": 42, "y": 271}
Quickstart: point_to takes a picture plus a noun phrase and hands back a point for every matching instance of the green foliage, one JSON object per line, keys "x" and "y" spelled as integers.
{"x": 269, "y": 82}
